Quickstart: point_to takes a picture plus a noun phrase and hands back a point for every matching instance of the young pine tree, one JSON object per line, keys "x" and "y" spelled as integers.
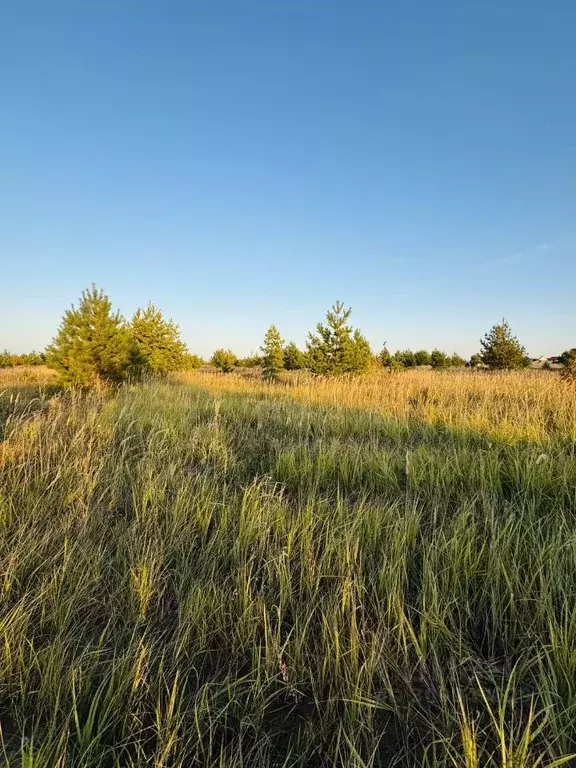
{"x": 159, "y": 342}
{"x": 294, "y": 358}
{"x": 386, "y": 359}
{"x": 407, "y": 358}
{"x": 456, "y": 361}
{"x": 475, "y": 361}
{"x": 94, "y": 345}
{"x": 191, "y": 362}
{"x": 422, "y": 357}
{"x": 501, "y": 349}
{"x": 225, "y": 360}
{"x": 336, "y": 348}
{"x": 273, "y": 353}
{"x": 439, "y": 360}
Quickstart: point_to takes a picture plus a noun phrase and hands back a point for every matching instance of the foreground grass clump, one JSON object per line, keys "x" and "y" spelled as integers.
{"x": 234, "y": 575}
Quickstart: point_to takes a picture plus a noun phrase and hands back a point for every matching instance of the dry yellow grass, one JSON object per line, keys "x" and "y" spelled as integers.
{"x": 24, "y": 390}
{"x": 23, "y": 375}
{"x": 510, "y": 405}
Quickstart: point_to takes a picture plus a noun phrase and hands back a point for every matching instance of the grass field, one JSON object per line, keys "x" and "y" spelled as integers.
{"x": 210, "y": 571}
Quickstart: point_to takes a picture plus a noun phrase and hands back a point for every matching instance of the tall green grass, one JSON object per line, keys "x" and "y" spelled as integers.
{"x": 198, "y": 576}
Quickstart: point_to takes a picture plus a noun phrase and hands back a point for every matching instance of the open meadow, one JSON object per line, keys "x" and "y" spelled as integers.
{"x": 209, "y": 570}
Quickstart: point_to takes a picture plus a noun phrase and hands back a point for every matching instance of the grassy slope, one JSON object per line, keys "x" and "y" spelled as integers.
{"x": 223, "y": 574}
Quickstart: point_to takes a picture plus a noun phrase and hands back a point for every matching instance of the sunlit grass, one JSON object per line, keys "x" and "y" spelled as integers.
{"x": 24, "y": 390}
{"x": 512, "y": 405}
{"x": 225, "y": 573}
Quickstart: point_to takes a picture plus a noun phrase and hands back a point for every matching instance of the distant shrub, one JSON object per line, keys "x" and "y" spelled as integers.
{"x": 10, "y": 360}
{"x": 385, "y": 357}
{"x": 422, "y": 357}
{"x": 568, "y": 373}
{"x": 294, "y": 358}
{"x": 566, "y": 357}
{"x": 406, "y": 358}
{"x": 252, "y": 361}
{"x": 475, "y": 361}
{"x": 456, "y": 361}
{"x": 225, "y": 360}
{"x": 439, "y": 360}
{"x": 192, "y": 362}
{"x": 393, "y": 362}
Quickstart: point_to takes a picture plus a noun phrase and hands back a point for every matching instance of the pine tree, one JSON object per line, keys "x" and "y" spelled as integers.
{"x": 385, "y": 357}
{"x": 225, "y": 360}
{"x": 191, "y": 362}
{"x": 94, "y": 345}
{"x": 407, "y": 358}
{"x": 422, "y": 357}
{"x": 252, "y": 361}
{"x": 159, "y": 342}
{"x": 336, "y": 348}
{"x": 294, "y": 358}
{"x": 456, "y": 361}
{"x": 439, "y": 360}
{"x": 475, "y": 361}
{"x": 273, "y": 357}
{"x": 501, "y": 349}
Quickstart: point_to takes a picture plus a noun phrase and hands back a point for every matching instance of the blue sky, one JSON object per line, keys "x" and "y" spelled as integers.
{"x": 247, "y": 162}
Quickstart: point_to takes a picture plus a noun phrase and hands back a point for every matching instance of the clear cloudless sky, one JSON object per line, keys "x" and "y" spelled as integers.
{"x": 247, "y": 162}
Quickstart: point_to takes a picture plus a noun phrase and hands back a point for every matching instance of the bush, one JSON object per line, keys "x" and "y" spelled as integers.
{"x": 9, "y": 360}
{"x": 439, "y": 360}
{"x": 294, "y": 358}
{"x": 252, "y": 361}
{"x": 406, "y": 358}
{"x": 456, "y": 361}
{"x": 225, "y": 360}
{"x": 567, "y": 356}
{"x": 422, "y": 357}
{"x": 568, "y": 373}
{"x": 385, "y": 357}
{"x": 192, "y": 362}
{"x": 393, "y": 362}
{"x": 94, "y": 345}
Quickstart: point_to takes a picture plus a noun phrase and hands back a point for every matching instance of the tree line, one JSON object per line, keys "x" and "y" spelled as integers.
{"x": 97, "y": 345}
{"x": 11, "y": 360}
{"x": 336, "y": 348}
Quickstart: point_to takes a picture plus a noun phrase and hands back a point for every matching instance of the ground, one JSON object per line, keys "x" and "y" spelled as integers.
{"x": 214, "y": 571}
